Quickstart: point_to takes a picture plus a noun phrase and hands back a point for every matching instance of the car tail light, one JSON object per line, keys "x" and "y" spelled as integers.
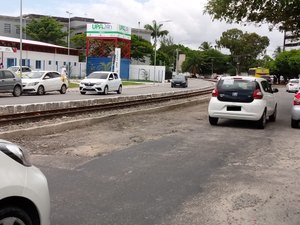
{"x": 257, "y": 94}
{"x": 215, "y": 92}
{"x": 297, "y": 99}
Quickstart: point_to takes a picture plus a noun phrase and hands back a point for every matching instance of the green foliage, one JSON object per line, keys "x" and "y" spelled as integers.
{"x": 140, "y": 48}
{"x": 288, "y": 63}
{"x": 78, "y": 41}
{"x": 156, "y": 31}
{"x": 46, "y": 29}
{"x": 244, "y": 47}
{"x": 284, "y": 14}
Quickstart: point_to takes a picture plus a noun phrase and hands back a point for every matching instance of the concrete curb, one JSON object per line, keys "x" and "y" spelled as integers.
{"x": 75, "y": 124}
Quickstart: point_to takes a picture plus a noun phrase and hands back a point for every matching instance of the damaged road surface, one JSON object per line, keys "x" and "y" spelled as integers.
{"x": 173, "y": 168}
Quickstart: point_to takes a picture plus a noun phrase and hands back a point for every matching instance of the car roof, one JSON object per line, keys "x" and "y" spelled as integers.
{"x": 45, "y": 71}
{"x": 250, "y": 78}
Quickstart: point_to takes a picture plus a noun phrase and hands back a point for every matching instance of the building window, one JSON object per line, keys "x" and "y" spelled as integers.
{"x": 65, "y": 63}
{"x": 17, "y": 29}
{"x": 7, "y": 28}
{"x": 38, "y": 64}
{"x": 75, "y": 64}
{"x": 49, "y": 63}
{"x": 56, "y": 62}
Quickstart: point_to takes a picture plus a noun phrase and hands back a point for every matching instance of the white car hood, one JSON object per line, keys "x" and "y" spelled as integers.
{"x": 93, "y": 80}
{"x": 28, "y": 80}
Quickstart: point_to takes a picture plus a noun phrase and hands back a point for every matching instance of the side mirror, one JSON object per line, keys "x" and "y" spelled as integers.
{"x": 110, "y": 78}
{"x": 46, "y": 77}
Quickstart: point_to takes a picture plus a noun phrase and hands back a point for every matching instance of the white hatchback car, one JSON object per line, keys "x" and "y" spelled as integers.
{"x": 40, "y": 82}
{"x": 296, "y": 111}
{"x": 24, "y": 194}
{"x": 101, "y": 82}
{"x": 292, "y": 85}
{"x": 243, "y": 98}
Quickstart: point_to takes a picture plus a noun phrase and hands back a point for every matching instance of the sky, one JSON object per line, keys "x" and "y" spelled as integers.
{"x": 187, "y": 24}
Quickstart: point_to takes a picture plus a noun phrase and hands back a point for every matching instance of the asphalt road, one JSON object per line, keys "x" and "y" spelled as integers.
{"x": 73, "y": 94}
{"x": 228, "y": 174}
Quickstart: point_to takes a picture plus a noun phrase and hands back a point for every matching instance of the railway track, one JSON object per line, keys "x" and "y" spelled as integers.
{"x": 34, "y": 116}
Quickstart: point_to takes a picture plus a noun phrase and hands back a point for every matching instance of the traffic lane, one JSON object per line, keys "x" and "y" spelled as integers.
{"x": 71, "y": 95}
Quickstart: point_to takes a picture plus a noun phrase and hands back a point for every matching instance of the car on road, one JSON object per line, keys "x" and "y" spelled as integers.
{"x": 101, "y": 82}
{"x": 24, "y": 193}
{"x": 179, "y": 80}
{"x": 10, "y": 83}
{"x": 40, "y": 82}
{"x": 296, "y": 111}
{"x": 16, "y": 69}
{"x": 292, "y": 85}
{"x": 243, "y": 98}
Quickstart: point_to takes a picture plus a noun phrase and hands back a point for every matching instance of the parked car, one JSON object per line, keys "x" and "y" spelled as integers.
{"x": 10, "y": 83}
{"x": 296, "y": 111}
{"x": 292, "y": 85}
{"x": 101, "y": 82}
{"x": 243, "y": 98}
{"x": 40, "y": 82}
{"x": 24, "y": 194}
{"x": 16, "y": 69}
{"x": 179, "y": 80}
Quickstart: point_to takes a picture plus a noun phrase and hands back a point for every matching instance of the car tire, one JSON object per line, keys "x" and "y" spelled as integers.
{"x": 40, "y": 90}
{"x": 119, "y": 91}
{"x": 272, "y": 118}
{"x": 172, "y": 86}
{"x": 213, "y": 120}
{"x": 105, "y": 91}
{"x": 261, "y": 123}
{"x": 17, "y": 91}
{"x": 294, "y": 123}
{"x": 63, "y": 89}
{"x": 82, "y": 92}
{"x": 14, "y": 215}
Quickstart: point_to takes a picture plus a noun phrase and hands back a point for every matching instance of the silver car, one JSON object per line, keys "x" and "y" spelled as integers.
{"x": 10, "y": 83}
{"x": 296, "y": 111}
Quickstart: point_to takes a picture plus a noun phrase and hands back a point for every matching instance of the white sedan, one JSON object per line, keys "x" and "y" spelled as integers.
{"x": 101, "y": 82}
{"x": 24, "y": 194}
{"x": 40, "y": 82}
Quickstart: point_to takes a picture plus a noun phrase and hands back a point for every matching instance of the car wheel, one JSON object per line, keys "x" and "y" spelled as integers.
{"x": 294, "y": 123}
{"x": 272, "y": 118}
{"x": 14, "y": 216}
{"x": 261, "y": 123}
{"x": 40, "y": 90}
{"x": 63, "y": 89}
{"x": 17, "y": 91}
{"x": 82, "y": 92}
{"x": 105, "y": 90}
{"x": 172, "y": 85}
{"x": 119, "y": 91}
{"x": 213, "y": 120}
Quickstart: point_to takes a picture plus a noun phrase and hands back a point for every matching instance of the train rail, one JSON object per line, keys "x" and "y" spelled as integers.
{"x": 48, "y": 114}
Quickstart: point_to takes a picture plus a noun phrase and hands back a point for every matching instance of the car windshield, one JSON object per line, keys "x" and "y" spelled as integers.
{"x": 97, "y": 75}
{"x": 294, "y": 81}
{"x": 179, "y": 77}
{"x": 14, "y": 69}
{"x": 236, "y": 85}
{"x": 34, "y": 75}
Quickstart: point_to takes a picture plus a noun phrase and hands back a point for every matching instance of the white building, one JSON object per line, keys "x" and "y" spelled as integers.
{"x": 41, "y": 56}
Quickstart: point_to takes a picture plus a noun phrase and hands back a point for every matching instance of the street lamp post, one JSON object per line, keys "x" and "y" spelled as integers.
{"x": 21, "y": 34}
{"x": 155, "y": 42}
{"x": 69, "y": 28}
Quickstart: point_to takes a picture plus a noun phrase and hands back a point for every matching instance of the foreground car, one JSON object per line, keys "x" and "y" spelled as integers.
{"x": 179, "y": 80}
{"x": 292, "y": 85}
{"x": 40, "y": 82}
{"x": 243, "y": 98}
{"x": 296, "y": 111}
{"x": 24, "y": 194}
{"x": 10, "y": 83}
{"x": 101, "y": 82}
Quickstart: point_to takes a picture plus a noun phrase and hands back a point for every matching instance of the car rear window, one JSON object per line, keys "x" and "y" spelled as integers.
{"x": 236, "y": 90}
{"x": 294, "y": 81}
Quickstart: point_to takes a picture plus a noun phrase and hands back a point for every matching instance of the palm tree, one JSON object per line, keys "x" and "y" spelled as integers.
{"x": 156, "y": 31}
{"x": 205, "y": 46}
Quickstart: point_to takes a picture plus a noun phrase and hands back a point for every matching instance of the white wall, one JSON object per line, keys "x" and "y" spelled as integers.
{"x": 146, "y": 72}
{"x": 49, "y": 61}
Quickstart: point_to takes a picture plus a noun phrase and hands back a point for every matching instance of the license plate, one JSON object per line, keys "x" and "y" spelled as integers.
{"x": 234, "y": 108}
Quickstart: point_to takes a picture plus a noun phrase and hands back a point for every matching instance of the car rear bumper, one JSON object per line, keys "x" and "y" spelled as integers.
{"x": 248, "y": 111}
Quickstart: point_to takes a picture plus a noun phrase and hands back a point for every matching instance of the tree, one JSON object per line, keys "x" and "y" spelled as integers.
{"x": 283, "y": 14}
{"x": 288, "y": 63}
{"x": 78, "y": 41}
{"x": 46, "y": 29}
{"x": 156, "y": 31}
{"x": 140, "y": 48}
{"x": 244, "y": 47}
{"x": 194, "y": 63}
{"x": 205, "y": 46}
